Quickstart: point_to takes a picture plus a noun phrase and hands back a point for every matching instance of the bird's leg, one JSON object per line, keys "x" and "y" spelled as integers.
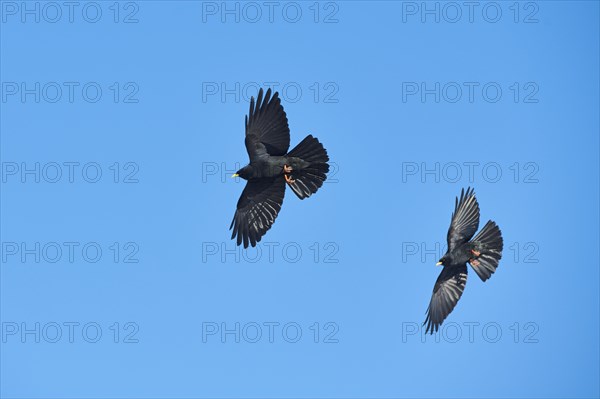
{"x": 286, "y": 173}
{"x": 473, "y": 261}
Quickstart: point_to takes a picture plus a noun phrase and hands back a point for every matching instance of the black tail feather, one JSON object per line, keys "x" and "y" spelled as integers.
{"x": 310, "y": 178}
{"x": 488, "y": 242}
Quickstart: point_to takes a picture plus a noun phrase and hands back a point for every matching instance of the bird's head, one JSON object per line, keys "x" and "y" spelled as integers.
{"x": 245, "y": 173}
{"x": 443, "y": 261}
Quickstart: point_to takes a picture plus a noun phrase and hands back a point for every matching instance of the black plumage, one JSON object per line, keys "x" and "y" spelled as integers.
{"x": 271, "y": 167}
{"x": 482, "y": 252}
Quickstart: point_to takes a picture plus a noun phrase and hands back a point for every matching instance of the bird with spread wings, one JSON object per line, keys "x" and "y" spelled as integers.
{"x": 482, "y": 252}
{"x": 272, "y": 167}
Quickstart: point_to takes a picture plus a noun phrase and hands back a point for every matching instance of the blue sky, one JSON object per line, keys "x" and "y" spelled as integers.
{"x": 120, "y": 125}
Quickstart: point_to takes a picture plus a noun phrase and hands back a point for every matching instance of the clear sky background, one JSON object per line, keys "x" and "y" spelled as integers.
{"x": 120, "y": 125}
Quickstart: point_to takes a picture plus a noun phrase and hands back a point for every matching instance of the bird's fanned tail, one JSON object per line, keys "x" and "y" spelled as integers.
{"x": 488, "y": 245}
{"x": 309, "y": 179}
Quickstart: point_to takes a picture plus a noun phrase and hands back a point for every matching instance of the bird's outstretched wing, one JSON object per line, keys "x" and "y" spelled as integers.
{"x": 446, "y": 292}
{"x": 465, "y": 219}
{"x": 267, "y": 126}
{"x": 257, "y": 209}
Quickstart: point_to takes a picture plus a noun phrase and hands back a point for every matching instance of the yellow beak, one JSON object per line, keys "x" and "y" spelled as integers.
{"x": 439, "y": 263}
{"x": 234, "y": 175}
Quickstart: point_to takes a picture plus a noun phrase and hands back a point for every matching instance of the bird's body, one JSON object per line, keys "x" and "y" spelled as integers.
{"x": 482, "y": 252}
{"x": 461, "y": 254}
{"x": 464, "y": 252}
{"x": 271, "y": 167}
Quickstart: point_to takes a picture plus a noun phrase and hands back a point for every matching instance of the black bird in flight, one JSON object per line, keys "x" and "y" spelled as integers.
{"x": 483, "y": 253}
{"x": 271, "y": 166}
